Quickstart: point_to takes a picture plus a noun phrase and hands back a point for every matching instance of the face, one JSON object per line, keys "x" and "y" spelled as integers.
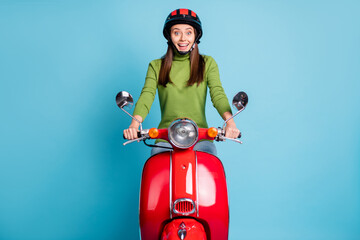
{"x": 183, "y": 36}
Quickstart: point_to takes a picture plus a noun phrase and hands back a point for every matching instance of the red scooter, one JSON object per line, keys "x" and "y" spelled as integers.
{"x": 183, "y": 192}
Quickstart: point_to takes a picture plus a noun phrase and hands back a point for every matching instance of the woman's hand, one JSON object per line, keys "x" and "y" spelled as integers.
{"x": 132, "y": 132}
{"x": 231, "y": 130}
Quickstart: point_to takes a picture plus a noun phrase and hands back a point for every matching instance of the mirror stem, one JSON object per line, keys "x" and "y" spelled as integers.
{"x": 133, "y": 118}
{"x": 232, "y": 117}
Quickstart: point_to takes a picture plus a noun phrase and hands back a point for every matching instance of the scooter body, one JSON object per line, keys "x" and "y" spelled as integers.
{"x": 187, "y": 186}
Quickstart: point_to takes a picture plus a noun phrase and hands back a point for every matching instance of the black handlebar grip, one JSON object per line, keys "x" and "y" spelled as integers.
{"x": 239, "y": 135}
{"x": 138, "y": 134}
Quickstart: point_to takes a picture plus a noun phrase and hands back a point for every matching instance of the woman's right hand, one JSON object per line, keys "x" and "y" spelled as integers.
{"x": 132, "y": 132}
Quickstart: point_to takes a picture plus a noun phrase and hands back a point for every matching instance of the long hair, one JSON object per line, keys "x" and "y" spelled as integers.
{"x": 197, "y": 67}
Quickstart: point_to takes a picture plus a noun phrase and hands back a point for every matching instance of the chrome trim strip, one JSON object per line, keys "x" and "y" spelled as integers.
{"x": 184, "y": 200}
{"x": 170, "y": 184}
{"x": 197, "y": 185}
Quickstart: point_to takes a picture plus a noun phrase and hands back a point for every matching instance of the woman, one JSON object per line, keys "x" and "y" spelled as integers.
{"x": 181, "y": 78}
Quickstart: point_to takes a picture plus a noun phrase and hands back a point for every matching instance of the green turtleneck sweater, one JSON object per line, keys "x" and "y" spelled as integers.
{"x": 178, "y": 100}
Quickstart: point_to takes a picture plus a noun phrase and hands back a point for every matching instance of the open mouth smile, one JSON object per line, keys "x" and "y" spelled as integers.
{"x": 183, "y": 46}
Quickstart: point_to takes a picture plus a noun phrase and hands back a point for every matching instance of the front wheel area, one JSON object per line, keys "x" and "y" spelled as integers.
{"x": 183, "y": 229}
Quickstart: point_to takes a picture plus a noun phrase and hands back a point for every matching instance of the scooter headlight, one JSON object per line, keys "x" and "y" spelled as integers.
{"x": 183, "y": 133}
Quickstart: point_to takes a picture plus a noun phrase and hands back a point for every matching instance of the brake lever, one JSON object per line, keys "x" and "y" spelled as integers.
{"x": 232, "y": 139}
{"x": 135, "y": 140}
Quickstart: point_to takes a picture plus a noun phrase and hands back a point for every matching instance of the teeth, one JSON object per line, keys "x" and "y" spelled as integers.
{"x": 183, "y": 45}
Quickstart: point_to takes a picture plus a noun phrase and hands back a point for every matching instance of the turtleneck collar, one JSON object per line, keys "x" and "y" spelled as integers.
{"x": 179, "y": 57}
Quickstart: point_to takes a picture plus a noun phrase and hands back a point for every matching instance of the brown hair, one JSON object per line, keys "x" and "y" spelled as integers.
{"x": 197, "y": 67}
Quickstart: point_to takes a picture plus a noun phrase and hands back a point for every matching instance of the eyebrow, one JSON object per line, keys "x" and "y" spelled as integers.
{"x": 180, "y": 29}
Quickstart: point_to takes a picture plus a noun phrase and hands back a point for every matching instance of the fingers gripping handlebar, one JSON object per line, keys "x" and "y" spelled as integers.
{"x": 138, "y": 135}
{"x": 142, "y": 135}
{"x": 221, "y": 132}
{"x": 221, "y": 136}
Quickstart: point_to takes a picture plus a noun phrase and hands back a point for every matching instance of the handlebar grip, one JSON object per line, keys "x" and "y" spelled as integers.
{"x": 138, "y": 134}
{"x": 239, "y": 135}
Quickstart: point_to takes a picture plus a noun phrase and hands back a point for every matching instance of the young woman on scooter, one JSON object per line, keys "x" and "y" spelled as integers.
{"x": 183, "y": 192}
{"x": 181, "y": 78}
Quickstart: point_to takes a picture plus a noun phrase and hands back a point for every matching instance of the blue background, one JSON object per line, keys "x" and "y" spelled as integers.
{"x": 64, "y": 173}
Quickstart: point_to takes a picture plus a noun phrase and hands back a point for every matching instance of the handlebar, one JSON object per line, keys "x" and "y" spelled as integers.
{"x": 144, "y": 134}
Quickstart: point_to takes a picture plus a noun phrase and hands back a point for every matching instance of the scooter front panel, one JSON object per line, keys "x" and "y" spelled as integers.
{"x": 212, "y": 195}
{"x": 155, "y": 196}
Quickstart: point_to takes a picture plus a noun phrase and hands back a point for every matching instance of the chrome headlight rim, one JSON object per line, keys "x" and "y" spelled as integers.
{"x": 183, "y": 120}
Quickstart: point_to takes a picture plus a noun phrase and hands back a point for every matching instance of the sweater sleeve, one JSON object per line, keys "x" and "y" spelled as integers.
{"x": 148, "y": 93}
{"x": 217, "y": 94}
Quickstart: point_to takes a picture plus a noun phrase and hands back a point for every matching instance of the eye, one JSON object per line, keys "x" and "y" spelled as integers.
{"x": 189, "y": 33}
{"x": 176, "y": 33}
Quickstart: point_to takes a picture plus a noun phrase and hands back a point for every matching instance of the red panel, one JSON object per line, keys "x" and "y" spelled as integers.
{"x": 213, "y": 199}
{"x": 163, "y": 134}
{"x": 193, "y": 14}
{"x": 203, "y": 134}
{"x": 173, "y": 13}
{"x": 184, "y": 11}
{"x": 154, "y": 196}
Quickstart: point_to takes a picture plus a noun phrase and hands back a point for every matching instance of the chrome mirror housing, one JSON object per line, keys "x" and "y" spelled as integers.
{"x": 240, "y": 100}
{"x": 124, "y": 99}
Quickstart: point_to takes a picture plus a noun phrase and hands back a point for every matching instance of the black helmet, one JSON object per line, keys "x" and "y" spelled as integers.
{"x": 183, "y": 16}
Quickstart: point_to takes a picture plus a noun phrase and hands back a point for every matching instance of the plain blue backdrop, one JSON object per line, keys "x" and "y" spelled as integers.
{"x": 64, "y": 173}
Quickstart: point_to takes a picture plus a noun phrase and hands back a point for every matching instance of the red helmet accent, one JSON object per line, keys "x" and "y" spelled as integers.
{"x": 184, "y": 11}
{"x": 183, "y": 16}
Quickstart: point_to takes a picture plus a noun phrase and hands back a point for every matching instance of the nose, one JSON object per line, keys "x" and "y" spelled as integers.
{"x": 182, "y": 37}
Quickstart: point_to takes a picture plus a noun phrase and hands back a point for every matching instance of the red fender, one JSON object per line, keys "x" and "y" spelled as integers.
{"x": 190, "y": 228}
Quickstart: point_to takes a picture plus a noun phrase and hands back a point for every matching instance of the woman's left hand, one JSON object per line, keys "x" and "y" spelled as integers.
{"x": 231, "y": 130}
